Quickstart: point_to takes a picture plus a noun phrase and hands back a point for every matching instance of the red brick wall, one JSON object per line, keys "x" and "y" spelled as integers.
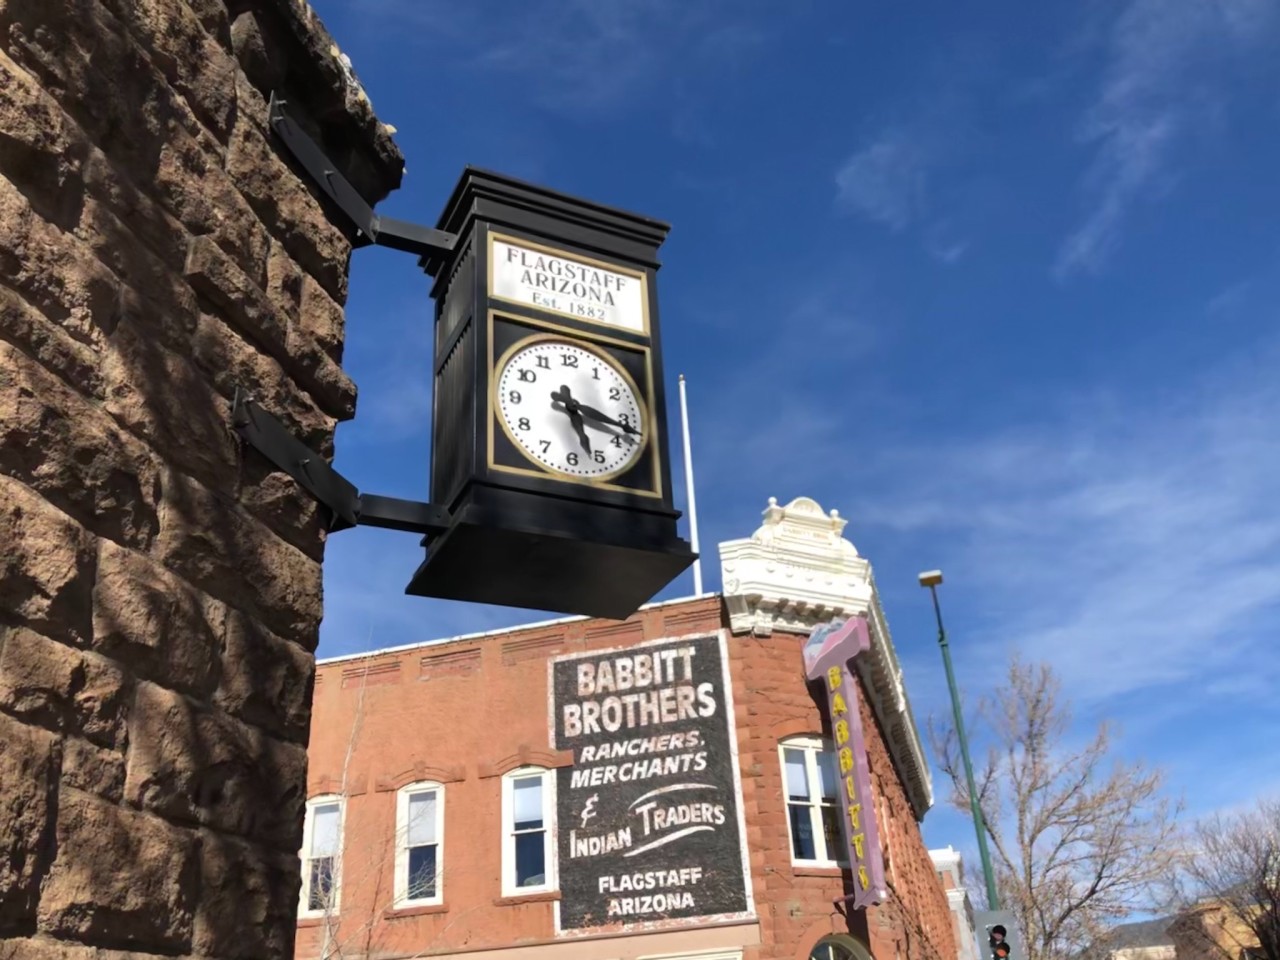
{"x": 795, "y": 903}
{"x": 466, "y": 712}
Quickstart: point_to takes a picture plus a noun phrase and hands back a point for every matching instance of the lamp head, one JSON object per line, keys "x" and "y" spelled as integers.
{"x": 930, "y": 578}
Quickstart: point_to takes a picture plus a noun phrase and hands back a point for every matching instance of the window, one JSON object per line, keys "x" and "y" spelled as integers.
{"x": 813, "y": 806}
{"x": 419, "y": 844}
{"x": 839, "y": 947}
{"x": 321, "y": 856}
{"x": 528, "y": 816}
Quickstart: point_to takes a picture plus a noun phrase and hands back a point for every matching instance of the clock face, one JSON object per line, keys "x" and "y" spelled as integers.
{"x": 571, "y": 409}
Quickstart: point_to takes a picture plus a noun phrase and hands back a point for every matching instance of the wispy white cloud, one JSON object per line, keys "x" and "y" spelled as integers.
{"x": 1157, "y": 90}
{"x": 1133, "y": 545}
{"x": 884, "y": 181}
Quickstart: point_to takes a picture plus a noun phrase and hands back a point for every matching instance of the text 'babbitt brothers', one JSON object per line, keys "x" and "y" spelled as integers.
{"x": 666, "y": 693}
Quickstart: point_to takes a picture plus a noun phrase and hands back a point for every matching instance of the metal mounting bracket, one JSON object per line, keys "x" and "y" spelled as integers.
{"x": 347, "y": 506}
{"x": 426, "y": 242}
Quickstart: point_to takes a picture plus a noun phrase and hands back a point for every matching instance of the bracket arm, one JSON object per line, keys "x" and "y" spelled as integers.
{"x": 346, "y": 505}
{"x": 384, "y": 231}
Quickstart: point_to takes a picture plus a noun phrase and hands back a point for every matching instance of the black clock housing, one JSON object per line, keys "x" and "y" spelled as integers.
{"x": 532, "y": 262}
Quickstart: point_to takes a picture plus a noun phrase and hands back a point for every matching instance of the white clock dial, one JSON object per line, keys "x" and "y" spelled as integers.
{"x": 570, "y": 409}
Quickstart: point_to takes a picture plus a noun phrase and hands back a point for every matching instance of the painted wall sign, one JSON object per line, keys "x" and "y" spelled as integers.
{"x": 828, "y": 657}
{"x": 649, "y": 814}
{"x": 577, "y": 287}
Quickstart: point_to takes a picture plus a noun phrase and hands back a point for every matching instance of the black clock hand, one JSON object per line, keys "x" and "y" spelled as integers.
{"x": 575, "y": 420}
{"x": 591, "y": 413}
{"x": 572, "y": 407}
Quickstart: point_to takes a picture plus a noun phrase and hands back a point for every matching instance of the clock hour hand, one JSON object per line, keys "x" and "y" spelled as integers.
{"x": 572, "y": 407}
{"x": 591, "y": 413}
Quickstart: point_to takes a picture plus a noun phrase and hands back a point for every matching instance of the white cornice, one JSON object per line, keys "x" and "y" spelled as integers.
{"x": 797, "y": 571}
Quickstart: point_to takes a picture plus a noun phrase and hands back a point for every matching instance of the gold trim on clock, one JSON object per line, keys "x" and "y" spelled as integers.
{"x": 591, "y": 342}
{"x": 569, "y": 255}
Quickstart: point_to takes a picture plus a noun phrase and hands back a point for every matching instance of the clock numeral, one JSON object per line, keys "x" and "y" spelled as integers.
{"x": 514, "y": 396}
{"x": 528, "y": 376}
{"x": 568, "y": 360}
{"x": 615, "y": 393}
{"x": 523, "y": 423}
{"x": 542, "y": 362}
{"x": 616, "y": 441}
{"x": 625, "y": 419}
{"x": 545, "y": 444}
{"x": 598, "y": 456}
{"x": 595, "y": 373}
{"x": 571, "y": 459}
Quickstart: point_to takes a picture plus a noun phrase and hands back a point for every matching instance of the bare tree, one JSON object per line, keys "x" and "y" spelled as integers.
{"x": 1079, "y": 840}
{"x": 1230, "y": 887}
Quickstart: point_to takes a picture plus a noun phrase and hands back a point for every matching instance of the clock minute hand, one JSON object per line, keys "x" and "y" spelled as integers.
{"x": 591, "y": 413}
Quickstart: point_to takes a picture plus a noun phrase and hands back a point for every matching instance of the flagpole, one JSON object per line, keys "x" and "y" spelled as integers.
{"x": 688, "y": 486}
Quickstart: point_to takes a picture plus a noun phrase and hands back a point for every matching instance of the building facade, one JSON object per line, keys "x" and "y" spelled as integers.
{"x": 950, "y": 869}
{"x": 669, "y": 786}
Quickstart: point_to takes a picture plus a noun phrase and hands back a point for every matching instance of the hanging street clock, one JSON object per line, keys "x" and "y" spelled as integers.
{"x": 549, "y": 439}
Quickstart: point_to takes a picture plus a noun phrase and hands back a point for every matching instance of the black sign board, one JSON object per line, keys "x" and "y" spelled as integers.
{"x": 649, "y": 829}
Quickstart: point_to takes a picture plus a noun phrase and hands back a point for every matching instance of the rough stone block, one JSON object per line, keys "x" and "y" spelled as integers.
{"x": 53, "y": 271}
{"x": 28, "y": 776}
{"x": 322, "y": 318}
{"x": 287, "y": 207}
{"x": 257, "y": 52}
{"x": 285, "y": 281}
{"x": 42, "y": 152}
{"x": 146, "y": 219}
{"x": 160, "y": 396}
{"x": 230, "y": 361}
{"x": 211, "y": 272}
{"x": 150, "y": 278}
{"x": 50, "y": 949}
{"x": 121, "y": 878}
{"x": 279, "y": 501}
{"x": 266, "y": 681}
{"x": 52, "y": 685}
{"x": 66, "y": 448}
{"x": 214, "y": 544}
{"x": 201, "y": 766}
{"x": 248, "y": 902}
{"x": 50, "y": 345}
{"x": 148, "y": 617}
{"x": 334, "y": 391}
{"x": 179, "y": 47}
{"x": 92, "y": 769}
{"x": 46, "y": 566}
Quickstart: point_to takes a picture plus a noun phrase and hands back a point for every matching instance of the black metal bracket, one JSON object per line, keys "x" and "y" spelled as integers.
{"x": 384, "y": 231}
{"x": 347, "y": 506}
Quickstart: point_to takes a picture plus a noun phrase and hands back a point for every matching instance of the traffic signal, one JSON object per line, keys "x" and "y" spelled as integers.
{"x": 1001, "y": 935}
{"x": 997, "y": 940}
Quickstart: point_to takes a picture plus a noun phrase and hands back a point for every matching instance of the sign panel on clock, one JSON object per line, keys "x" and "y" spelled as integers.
{"x": 574, "y": 286}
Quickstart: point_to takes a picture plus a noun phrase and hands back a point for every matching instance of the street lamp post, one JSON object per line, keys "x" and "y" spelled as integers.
{"x": 931, "y": 579}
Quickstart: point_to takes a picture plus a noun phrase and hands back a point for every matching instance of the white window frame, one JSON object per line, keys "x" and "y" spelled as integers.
{"x": 812, "y": 747}
{"x": 401, "y": 882}
{"x": 308, "y": 831}
{"x": 550, "y": 876}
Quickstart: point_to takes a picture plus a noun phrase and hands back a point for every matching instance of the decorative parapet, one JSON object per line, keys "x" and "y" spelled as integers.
{"x": 797, "y": 571}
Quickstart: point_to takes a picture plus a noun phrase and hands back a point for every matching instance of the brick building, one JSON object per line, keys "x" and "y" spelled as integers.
{"x": 663, "y": 787}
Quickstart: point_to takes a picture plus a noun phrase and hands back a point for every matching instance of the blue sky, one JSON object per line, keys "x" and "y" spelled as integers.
{"x": 997, "y": 281}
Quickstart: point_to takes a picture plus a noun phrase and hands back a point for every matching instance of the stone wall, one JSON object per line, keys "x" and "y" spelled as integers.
{"x": 160, "y": 588}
